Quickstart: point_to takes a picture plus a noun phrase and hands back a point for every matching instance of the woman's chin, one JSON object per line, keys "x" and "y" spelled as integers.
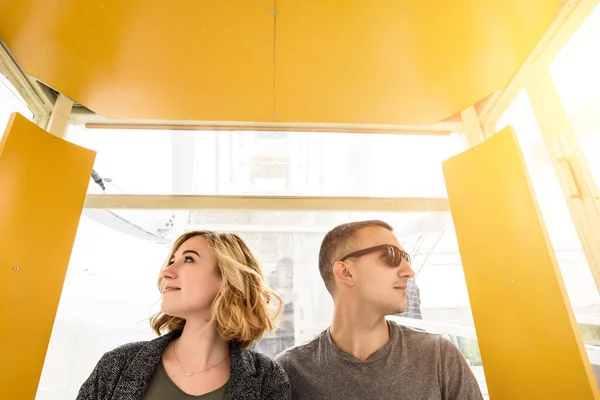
{"x": 169, "y": 309}
{"x": 184, "y": 313}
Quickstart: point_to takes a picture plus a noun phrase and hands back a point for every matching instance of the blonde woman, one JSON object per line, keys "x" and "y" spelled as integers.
{"x": 215, "y": 304}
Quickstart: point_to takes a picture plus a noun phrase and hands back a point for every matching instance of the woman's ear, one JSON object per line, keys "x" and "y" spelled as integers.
{"x": 342, "y": 272}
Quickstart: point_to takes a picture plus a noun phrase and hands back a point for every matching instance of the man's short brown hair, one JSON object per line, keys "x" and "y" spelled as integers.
{"x": 337, "y": 243}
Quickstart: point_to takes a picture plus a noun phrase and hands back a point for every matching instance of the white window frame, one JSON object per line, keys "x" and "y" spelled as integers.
{"x": 37, "y": 103}
{"x": 577, "y": 184}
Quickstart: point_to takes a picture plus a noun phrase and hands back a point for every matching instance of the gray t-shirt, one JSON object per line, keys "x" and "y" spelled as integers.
{"x": 411, "y": 365}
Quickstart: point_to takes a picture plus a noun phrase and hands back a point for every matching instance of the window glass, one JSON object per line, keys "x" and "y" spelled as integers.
{"x": 111, "y": 284}
{"x": 574, "y": 268}
{"x": 10, "y": 102}
{"x": 576, "y": 74}
{"x": 268, "y": 163}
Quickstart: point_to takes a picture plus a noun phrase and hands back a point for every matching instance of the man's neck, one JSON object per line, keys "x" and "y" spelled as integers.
{"x": 356, "y": 334}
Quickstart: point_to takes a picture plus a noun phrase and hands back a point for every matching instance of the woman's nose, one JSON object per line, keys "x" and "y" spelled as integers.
{"x": 168, "y": 273}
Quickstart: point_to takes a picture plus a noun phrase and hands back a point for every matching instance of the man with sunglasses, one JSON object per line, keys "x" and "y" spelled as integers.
{"x": 362, "y": 355}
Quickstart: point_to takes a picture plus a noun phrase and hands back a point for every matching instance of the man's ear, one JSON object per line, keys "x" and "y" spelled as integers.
{"x": 343, "y": 273}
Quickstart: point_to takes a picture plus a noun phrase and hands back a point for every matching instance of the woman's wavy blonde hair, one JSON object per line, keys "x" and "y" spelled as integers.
{"x": 241, "y": 309}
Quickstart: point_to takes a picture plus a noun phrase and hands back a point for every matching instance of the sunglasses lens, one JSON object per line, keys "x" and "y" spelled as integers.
{"x": 393, "y": 257}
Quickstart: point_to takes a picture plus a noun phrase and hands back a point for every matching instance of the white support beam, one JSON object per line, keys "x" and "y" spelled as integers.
{"x": 61, "y": 114}
{"x": 441, "y": 328}
{"x": 36, "y": 103}
{"x": 182, "y": 155}
{"x": 197, "y": 202}
{"x": 322, "y": 230}
{"x": 94, "y": 121}
{"x": 470, "y": 127}
{"x": 574, "y": 175}
{"x": 183, "y": 172}
{"x": 445, "y": 328}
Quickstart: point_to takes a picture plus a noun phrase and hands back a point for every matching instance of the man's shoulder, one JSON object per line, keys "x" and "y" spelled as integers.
{"x": 299, "y": 353}
{"x": 415, "y": 334}
{"x": 458, "y": 381}
{"x": 420, "y": 340}
{"x": 426, "y": 342}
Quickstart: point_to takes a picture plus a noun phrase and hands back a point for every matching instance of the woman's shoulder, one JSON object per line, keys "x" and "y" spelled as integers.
{"x": 273, "y": 382}
{"x": 117, "y": 358}
{"x": 252, "y": 361}
{"x": 126, "y": 352}
{"x": 121, "y": 355}
{"x": 103, "y": 380}
{"x": 264, "y": 363}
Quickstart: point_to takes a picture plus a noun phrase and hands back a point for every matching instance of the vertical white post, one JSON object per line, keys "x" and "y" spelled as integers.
{"x": 61, "y": 114}
{"x": 471, "y": 128}
{"x": 570, "y": 164}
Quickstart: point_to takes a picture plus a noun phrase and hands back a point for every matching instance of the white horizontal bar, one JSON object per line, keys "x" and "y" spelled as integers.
{"x": 94, "y": 121}
{"x": 469, "y": 332}
{"x": 436, "y": 327}
{"x": 198, "y": 202}
{"x": 588, "y": 319}
{"x": 593, "y": 353}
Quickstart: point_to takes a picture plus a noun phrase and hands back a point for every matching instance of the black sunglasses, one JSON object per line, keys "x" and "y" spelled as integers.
{"x": 393, "y": 255}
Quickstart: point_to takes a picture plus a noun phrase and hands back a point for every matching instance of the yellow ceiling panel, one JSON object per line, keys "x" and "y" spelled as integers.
{"x": 399, "y": 62}
{"x": 386, "y": 62}
{"x": 154, "y": 59}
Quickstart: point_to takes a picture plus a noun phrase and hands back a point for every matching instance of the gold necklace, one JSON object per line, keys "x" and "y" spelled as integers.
{"x": 188, "y": 374}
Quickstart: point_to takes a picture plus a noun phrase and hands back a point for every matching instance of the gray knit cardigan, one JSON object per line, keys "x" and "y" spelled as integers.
{"x": 124, "y": 373}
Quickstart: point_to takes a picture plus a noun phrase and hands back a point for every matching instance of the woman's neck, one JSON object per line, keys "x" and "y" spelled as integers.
{"x": 200, "y": 345}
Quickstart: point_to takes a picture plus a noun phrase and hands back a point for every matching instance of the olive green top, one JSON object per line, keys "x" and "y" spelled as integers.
{"x": 161, "y": 387}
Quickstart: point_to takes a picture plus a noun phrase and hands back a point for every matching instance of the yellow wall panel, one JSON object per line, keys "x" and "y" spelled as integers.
{"x": 151, "y": 59}
{"x": 399, "y": 62}
{"x": 43, "y": 182}
{"x": 529, "y": 340}
{"x": 321, "y": 61}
